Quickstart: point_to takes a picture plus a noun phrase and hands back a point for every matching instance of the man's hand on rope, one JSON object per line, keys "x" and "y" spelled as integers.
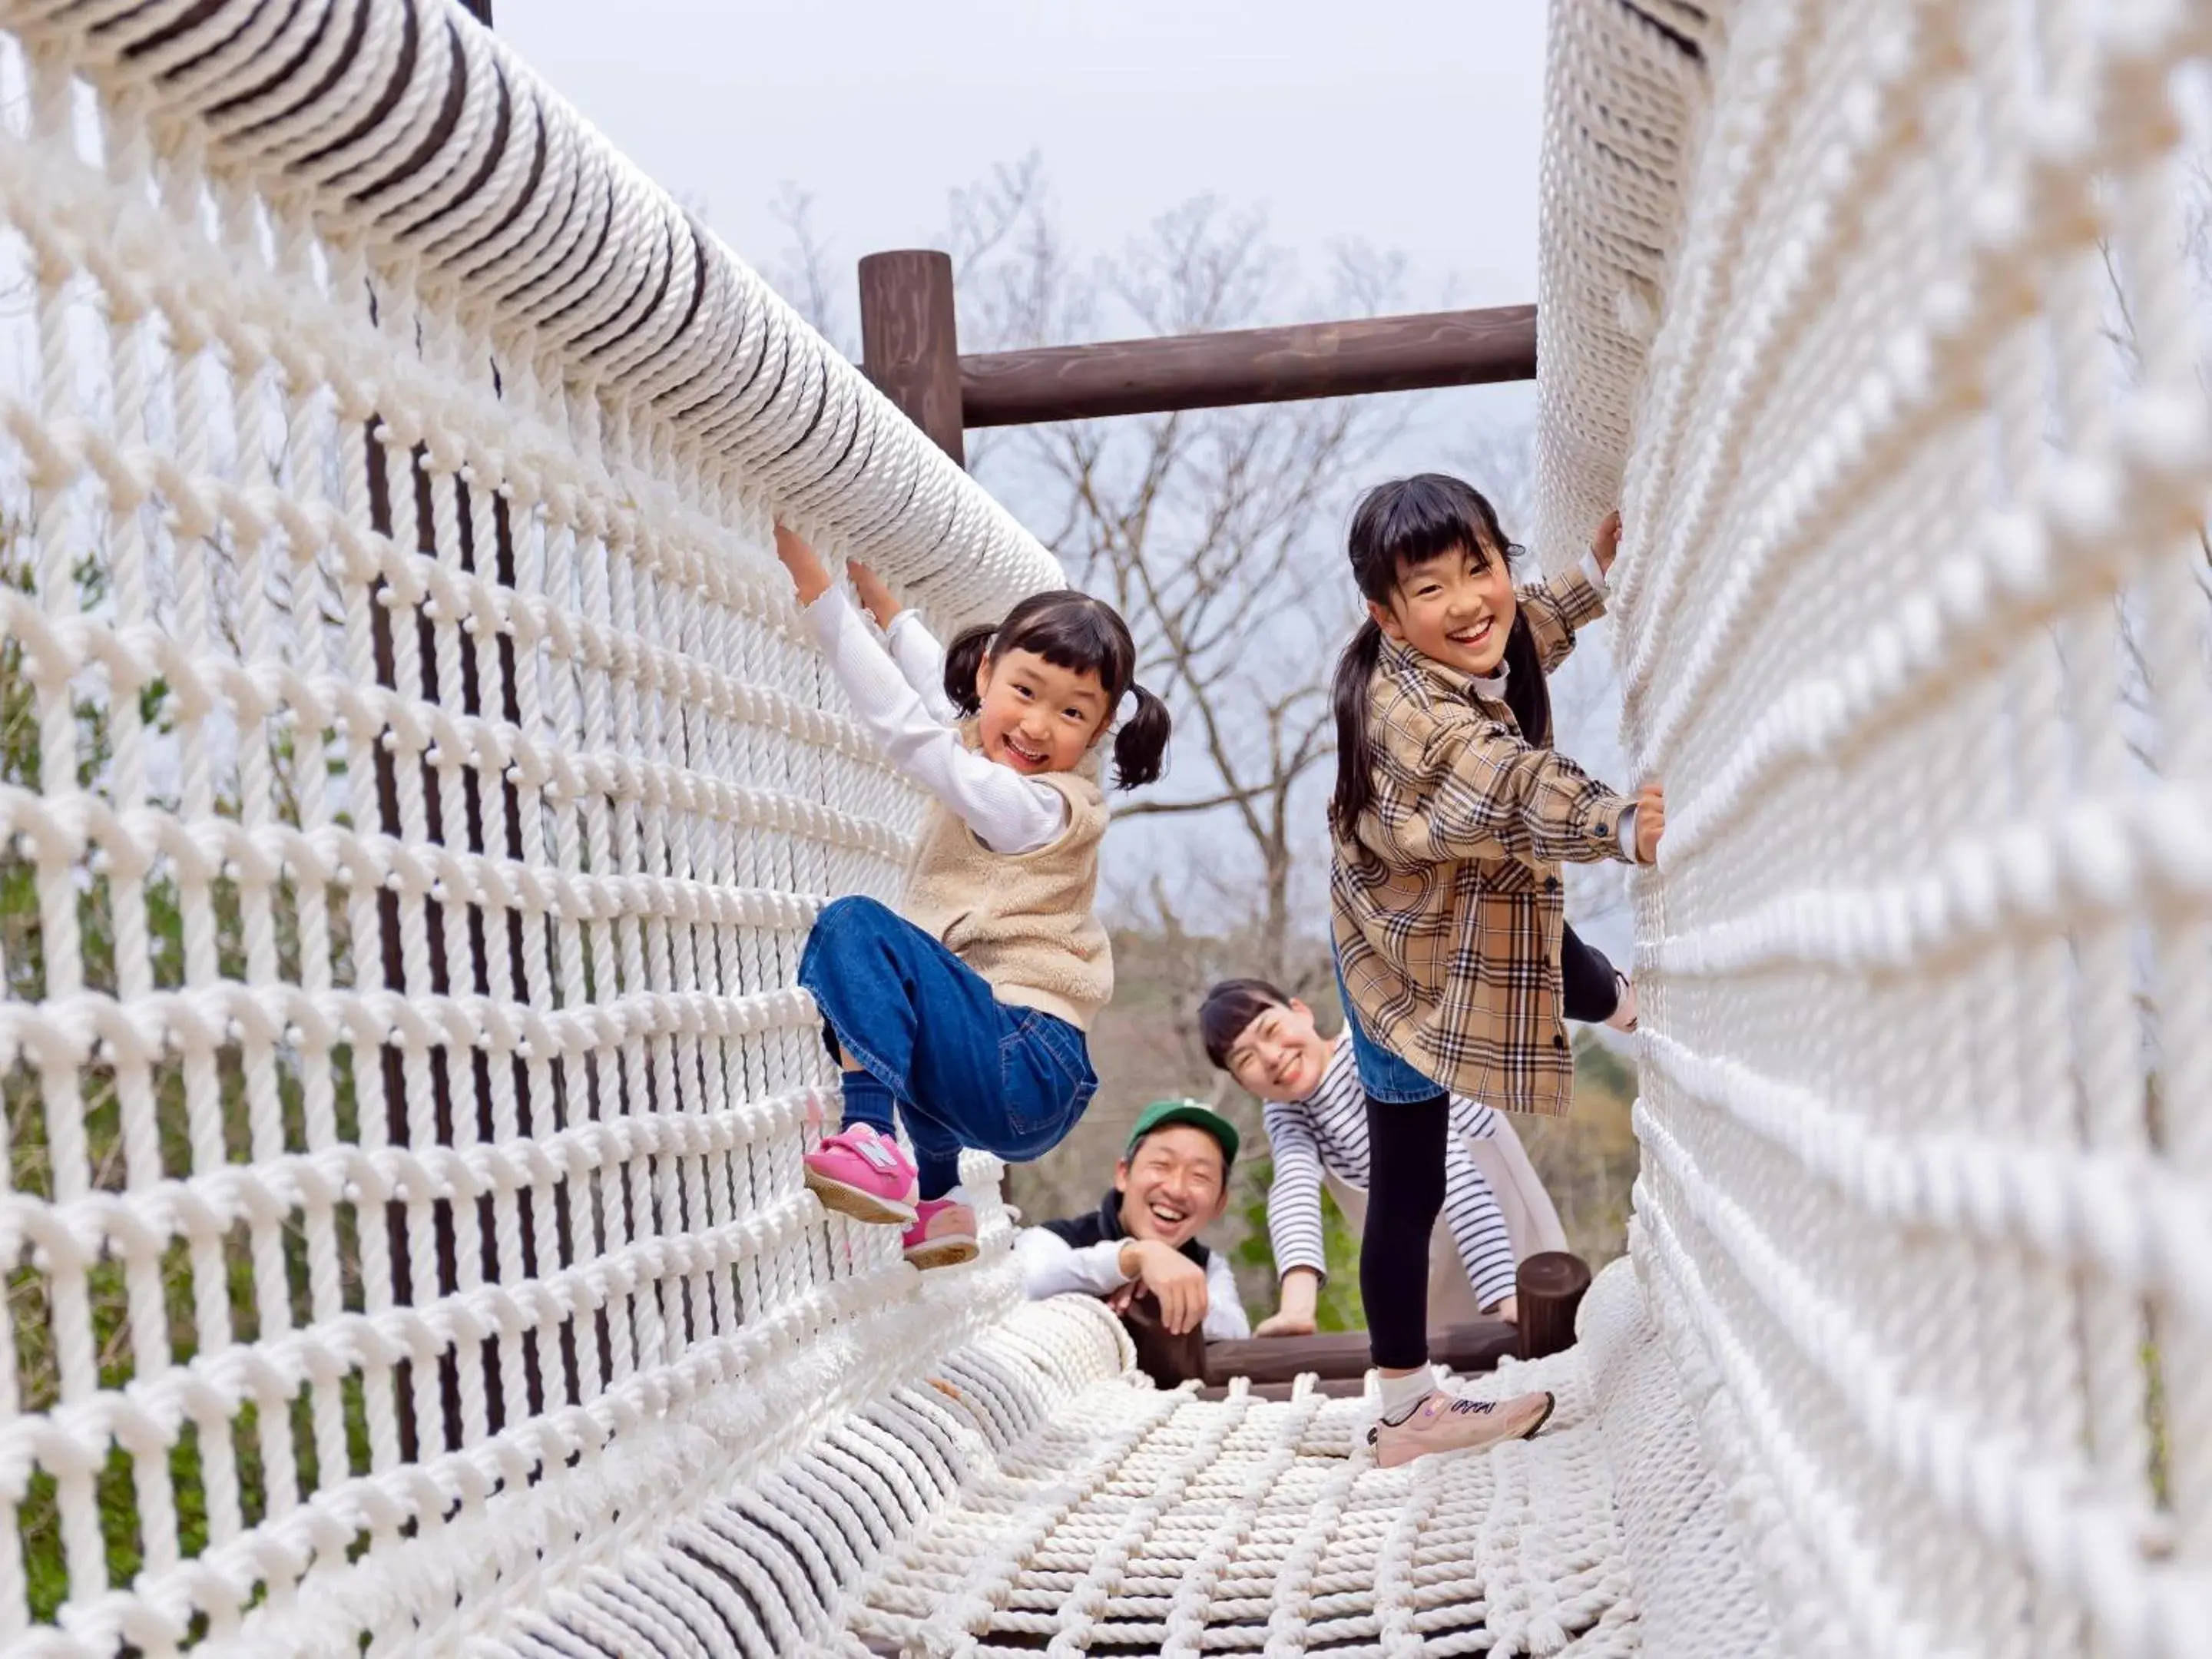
{"x": 808, "y": 577}
{"x": 876, "y": 598}
{"x": 1651, "y": 821}
{"x": 1173, "y": 1278}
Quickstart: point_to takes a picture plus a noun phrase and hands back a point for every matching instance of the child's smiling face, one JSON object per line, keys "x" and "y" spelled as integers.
{"x": 1457, "y": 608}
{"x": 1034, "y": 715}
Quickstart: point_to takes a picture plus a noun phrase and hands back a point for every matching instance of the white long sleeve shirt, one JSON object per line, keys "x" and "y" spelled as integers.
{"x": 1327, "y": 1132}
{"x": 1052, "y": 1266}
{"x": 891, "y": 693}
{"x": 920, "y": 659}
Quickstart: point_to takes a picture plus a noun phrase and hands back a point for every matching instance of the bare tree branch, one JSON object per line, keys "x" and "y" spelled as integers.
{"x": 802, "y": 271}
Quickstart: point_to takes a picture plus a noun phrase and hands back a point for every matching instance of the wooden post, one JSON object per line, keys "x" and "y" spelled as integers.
{"x": 910, "y": 341}
{"x": 1550, "y": 1286}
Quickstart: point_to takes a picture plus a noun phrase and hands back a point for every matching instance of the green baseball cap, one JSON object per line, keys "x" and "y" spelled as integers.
{"x": 1161, "y": 1113}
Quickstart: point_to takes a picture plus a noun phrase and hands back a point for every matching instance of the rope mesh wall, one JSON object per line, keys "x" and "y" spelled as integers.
{"x": 414, "y": 796}
{"x": 416, "y": 792}
{"x": 1915, "y": 599}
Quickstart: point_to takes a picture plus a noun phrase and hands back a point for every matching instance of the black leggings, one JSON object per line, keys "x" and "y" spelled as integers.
{"x": 1404, "y": 1194}
{"x": 1406, "y": 1182}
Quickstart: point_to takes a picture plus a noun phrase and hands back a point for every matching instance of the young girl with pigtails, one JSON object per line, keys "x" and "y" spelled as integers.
{"x": 962, "y": 1013}
{"x": 1451, "y": 817}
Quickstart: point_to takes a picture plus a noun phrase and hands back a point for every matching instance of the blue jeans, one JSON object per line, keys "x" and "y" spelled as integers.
{"x": 963, "y": 1069}
{"x": 1382, "y": 1074}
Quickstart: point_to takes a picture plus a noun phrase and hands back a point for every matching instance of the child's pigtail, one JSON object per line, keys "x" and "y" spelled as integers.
{"x": 964, "y": 663}
{"x": 1140, "y": 747}
{"x": 1353, "y": 699}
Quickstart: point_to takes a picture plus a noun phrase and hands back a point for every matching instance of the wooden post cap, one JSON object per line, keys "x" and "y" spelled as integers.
{"x": 909, "y": 340}
{"x": 1549, "y": 1286}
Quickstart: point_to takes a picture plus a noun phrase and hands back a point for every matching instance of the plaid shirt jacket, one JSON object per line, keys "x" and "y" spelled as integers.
{"x": 1445, "y": 897}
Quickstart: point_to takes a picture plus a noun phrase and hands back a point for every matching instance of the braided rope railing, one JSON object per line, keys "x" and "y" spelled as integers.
{"x": 414, "y": 796}
{"x": 416, "y": 792}
{"x": 1876, "y": 318}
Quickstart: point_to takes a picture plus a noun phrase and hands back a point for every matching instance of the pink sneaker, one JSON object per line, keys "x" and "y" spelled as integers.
{"x": 943, "y": 1234}
{"x": 863, "y": 1174}
{"x": 1445, "y": 1423}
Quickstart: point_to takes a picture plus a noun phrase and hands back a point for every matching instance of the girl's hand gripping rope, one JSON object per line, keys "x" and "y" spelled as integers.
{"x": 1651, "y": 821}
{"x": 809, "y": 578}
{"x": 876, "y": 598}
{"x": 1605, "y": 546}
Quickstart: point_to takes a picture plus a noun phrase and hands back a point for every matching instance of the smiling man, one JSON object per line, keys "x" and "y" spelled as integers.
{"x": 1171, "y": 1182}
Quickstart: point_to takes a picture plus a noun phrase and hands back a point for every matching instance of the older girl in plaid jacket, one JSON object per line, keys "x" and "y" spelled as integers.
{"x": 1451, "y": 817}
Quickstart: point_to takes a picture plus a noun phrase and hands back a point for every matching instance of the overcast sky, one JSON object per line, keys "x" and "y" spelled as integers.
{"x": 1412, "y": 124}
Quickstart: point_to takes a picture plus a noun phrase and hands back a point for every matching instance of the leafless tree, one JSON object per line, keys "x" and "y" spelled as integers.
{"x": 2121, "y": 332}
{"x": 806, "y": 273}
{"x": 1213, "y": 532}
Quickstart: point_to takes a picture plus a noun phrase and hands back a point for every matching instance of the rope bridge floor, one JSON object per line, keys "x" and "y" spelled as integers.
{"x": 1130, "y": 1521}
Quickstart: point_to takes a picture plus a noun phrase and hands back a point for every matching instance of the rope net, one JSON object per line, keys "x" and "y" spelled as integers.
{"x": 416, "y": 792}
{"x": 1915, "y": 458}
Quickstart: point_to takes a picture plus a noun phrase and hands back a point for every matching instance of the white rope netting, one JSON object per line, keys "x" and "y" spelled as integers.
{"x": 415, "y": 795}
{"x": 1145, "y": 1522}
{"x": 416, "y": 792}
{"x": 1917, "y": 613}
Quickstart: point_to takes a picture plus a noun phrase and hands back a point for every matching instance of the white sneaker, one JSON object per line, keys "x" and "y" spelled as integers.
{"x": 1623, "y": 1016}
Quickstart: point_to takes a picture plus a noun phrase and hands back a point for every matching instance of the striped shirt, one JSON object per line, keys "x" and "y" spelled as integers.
{"x": 1328, "y": 1130}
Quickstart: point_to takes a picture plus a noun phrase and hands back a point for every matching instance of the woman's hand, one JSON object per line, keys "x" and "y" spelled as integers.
{"x": 1651, "y": 821}
{"x": 1301, "y": 1297}
{"x": 875, "y": 597}
{"x": 808, "y": 578}
{"x": 1605, "y": 546}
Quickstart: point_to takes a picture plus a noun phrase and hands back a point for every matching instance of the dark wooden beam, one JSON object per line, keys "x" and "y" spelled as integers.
{"x": 1251, "y": 366}
{"x": 1549, "y": 1289}
{"x": 910, "y": 342}
{"x": 1329, "y": 1387}
{"x": 1476, "y": 1346}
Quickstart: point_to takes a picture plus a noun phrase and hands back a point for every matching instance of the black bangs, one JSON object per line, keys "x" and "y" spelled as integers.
{"x": 1408, "y": 521}
{"x": 1230, "y": 1008}
{"x": 1074, "y": 631}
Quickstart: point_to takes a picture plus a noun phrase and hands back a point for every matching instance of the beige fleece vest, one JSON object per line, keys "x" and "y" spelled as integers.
{"x": 1022, "y": 921}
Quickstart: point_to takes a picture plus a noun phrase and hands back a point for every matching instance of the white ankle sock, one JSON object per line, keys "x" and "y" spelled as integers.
{"x": 1402, "y": 1393}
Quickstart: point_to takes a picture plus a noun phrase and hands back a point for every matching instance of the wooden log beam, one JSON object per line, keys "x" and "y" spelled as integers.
{"x": 910, "y": 342}
{"x": 1329, "y": 1387}
{"x": 1477, "y": 1346}
{"x": 1250, "y": 365}
{"x": 1550, "y": 1286}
